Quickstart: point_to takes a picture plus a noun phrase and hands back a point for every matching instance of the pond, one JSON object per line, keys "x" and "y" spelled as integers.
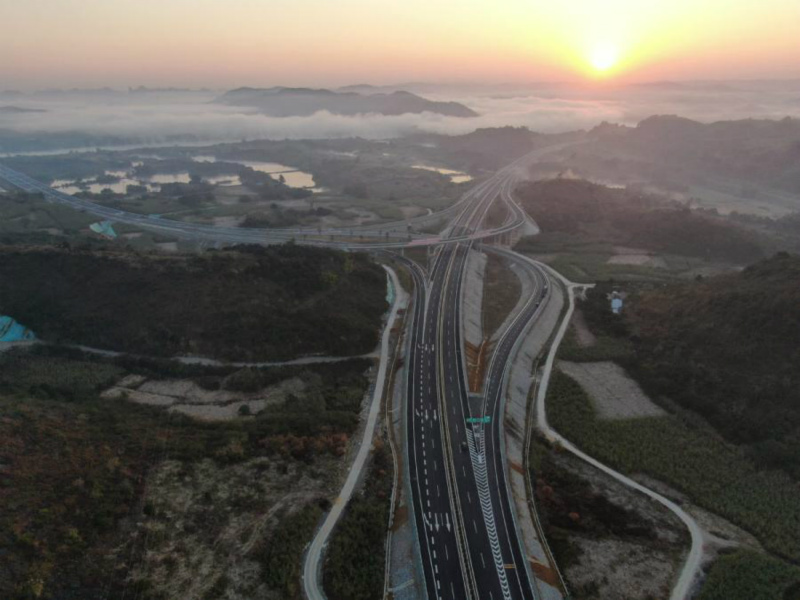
{"x": 455, "y": 176}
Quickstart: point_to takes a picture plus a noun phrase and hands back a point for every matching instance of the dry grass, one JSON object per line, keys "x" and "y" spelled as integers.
{"x": 501, "y": 291}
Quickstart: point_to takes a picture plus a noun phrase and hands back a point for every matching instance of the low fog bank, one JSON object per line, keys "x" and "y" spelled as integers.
{"x": 550, "y": 108}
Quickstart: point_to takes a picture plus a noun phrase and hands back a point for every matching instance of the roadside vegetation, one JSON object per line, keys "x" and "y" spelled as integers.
{"x": 608, "y": 541}
{"x": 715, "y": 475}
{"x": 282, "y": 556}
{"x": 501, "y": 291}
{"x": 751, "y": 576}
{"x": 355, "y": 556}
{"x": 28, "y": 219}
{"x": 249, "y": 303}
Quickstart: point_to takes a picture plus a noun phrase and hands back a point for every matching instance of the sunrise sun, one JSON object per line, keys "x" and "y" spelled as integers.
{"x": 603, "y": 57}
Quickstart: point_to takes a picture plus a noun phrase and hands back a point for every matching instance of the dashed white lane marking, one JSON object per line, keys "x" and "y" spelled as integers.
{"x": 483, "y": 562}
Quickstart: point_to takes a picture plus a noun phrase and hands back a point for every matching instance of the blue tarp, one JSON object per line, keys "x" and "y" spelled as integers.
{"x": 105, "y": 229}
{"x": 11, "y": 331}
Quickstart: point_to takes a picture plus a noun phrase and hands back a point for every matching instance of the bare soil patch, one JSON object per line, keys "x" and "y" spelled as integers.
{"x": 583, "y": 335}
{"x": 610, "y": 542}
{"x": 205, "y": 523}
{"x": 613, "y": 393}
{"x": 187, "y": 397}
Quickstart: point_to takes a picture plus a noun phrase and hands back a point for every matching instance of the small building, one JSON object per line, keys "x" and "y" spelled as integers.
{"x": 616, "y": 301}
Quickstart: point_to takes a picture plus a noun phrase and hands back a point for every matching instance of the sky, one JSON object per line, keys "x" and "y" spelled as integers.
{"x": 230, "y": 43}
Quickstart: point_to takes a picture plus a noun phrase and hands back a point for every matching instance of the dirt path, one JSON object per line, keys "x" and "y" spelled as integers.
{"x": 692, "y": 566}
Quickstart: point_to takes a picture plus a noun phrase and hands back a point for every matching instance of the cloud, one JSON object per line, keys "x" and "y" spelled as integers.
{"x": 159, "y": 117}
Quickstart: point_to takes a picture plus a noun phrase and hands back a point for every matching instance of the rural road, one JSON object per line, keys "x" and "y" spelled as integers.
{"x": 692, "y": 565}
{"x": 312, "y": 566}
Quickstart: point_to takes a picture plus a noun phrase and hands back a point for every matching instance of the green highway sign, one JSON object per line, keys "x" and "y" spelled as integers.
{"x": 479, "y": 419}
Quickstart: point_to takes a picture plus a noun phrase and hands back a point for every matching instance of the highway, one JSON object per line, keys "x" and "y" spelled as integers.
{"x": 462, "y": 514}
{"x": 470, "y": 492}
{"x": 374, "y": 237}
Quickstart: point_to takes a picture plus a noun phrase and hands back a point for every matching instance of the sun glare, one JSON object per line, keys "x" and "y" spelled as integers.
{"x": 603, "y": 57}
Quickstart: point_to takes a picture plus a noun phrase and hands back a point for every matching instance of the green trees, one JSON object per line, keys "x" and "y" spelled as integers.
{"x": 620, "y": 216}
{"x": 747, "y": 575}
{"x": 281, "y": 557}
{"x": 354, "y": 565}
{"x": 728, "y": 348}
{"x": 248, "y": 304}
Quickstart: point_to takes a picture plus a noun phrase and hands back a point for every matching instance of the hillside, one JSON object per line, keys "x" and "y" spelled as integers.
{"x": 729, "y": 348}
{"x": 670, "y": 148}
{"x": 299, "y": 102}
{"x": 107, "y": 498}
{"x": 630, "y": 218}
{"x": 18, "y": 110}
{"x": 254, "y": 304}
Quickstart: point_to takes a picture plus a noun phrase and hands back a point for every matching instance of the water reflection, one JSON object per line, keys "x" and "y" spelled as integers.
{"x": 162, "y": 178}
{"x": 71, "y": 187}
{"x": 455, "y": 176}
{"x": 291, "y": 176}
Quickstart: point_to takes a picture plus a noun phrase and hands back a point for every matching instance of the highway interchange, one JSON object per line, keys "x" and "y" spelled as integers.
{"x": 463, "y": 516}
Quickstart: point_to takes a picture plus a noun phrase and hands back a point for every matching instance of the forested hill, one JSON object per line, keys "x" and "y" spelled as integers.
{"x": 250, "y": 303}
{"x": 632, "y": 218}
{"x": 729, "y": 348}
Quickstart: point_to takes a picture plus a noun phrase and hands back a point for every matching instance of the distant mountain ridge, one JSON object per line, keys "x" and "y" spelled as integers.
{"x": 300, "y": 102}
{"x": 16, "y": 110}
{"x": 669, "y": 148}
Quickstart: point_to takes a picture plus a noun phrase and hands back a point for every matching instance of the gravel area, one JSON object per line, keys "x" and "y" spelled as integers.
{"x": 187, "y": 397}
{"x": 614, "y": 394}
